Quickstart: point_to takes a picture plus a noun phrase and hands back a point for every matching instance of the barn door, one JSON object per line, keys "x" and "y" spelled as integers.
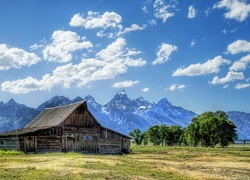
{"x": 30, "y": 143}
{"x": 71, "y": 143}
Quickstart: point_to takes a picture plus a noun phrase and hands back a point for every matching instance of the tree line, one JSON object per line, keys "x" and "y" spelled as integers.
{"x": 207, "y": 129}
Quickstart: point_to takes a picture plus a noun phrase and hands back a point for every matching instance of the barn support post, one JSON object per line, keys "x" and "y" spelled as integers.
{"x": 35, "y": 144}
{"x": 24, "y": 144}
{"x": 121, "y": 143}
{"x": 64, "y": 143}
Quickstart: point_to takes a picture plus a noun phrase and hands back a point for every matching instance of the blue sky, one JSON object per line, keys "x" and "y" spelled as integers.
{"x": 194, "y": 53}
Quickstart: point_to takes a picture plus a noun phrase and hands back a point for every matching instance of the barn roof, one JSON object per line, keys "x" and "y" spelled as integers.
{"x": 51, "y": 117}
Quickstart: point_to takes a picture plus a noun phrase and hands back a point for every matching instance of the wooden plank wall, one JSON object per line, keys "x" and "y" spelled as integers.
{"x": 9, "y": 143}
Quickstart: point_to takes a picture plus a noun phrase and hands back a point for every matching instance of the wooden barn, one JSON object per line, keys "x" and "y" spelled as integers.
{"x": 65, "y": 129}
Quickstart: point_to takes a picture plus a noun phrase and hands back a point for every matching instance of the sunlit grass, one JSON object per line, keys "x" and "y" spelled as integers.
{"x": 10, "y": 152}
{"x": 145, "y": 162}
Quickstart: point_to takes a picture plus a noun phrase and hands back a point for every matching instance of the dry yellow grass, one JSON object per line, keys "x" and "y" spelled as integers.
{"x": 142, "y": 163}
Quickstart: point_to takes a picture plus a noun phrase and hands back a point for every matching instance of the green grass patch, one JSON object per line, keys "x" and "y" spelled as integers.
{"x": 10, "y": 152}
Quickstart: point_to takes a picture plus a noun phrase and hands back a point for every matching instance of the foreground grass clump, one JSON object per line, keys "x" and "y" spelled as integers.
{"x": 145, "y": 162}
{"x": 10, "y": 152}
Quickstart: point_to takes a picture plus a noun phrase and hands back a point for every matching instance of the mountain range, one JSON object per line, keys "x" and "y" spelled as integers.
{"x": 120, "y": 113}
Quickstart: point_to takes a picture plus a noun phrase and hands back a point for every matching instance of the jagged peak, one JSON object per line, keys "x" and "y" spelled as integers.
{"x": 164, "y": 100}
{"x": 121, "y": 95}
{"x": 122, "y": 92}
{"x": 140, "y": 99}
{"x": 77, "y": 99}
{"x": 89, "y": 98}
{"x": 11, "y": 102}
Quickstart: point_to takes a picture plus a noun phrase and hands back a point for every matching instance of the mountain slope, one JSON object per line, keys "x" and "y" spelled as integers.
{"x": 15, "y": 116}
{"x": 242, "y": 121}
{"x": 120, "y": 113}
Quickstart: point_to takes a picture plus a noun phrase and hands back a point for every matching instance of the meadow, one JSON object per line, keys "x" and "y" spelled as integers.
{"x": 144, "y": 162}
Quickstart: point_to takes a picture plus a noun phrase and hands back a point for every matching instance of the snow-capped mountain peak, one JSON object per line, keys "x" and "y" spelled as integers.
{"x": 120, "y": 113}
{"x": 122, "y": 92}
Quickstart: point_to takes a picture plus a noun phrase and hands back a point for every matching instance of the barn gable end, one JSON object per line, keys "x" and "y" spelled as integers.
{"x": 64, "y": 129}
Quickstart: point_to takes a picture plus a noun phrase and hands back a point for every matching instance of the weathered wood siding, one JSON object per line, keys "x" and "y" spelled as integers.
{"x": 81, "y": 132}
{"x": 81, "y": 117}
{"x": 9, "y": 143}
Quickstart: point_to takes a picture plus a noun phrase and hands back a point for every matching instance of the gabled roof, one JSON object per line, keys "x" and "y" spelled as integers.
{"x": 51, "y": 117}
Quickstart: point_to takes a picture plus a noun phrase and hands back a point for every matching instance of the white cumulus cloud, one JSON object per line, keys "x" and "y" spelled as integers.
{"x": 163, "y": 53}
{"x": 176, "y": 87}
{"x": 209, "y": 67}
{"x": 96, "y": 20}
{"x": 241, "y": 86}
{"x": 107, "y": 64}
{"x": 231, "y": 76}
{"x": 236, "y": 9}
{"x": 12, "y": 57}
{"x": 191, "y": 12}
{"x": 239, "y": 46}
{"x": 241, "y": 64}
{"x": 64, "y": 43}
{"x": 164, "y": 11}
{"x": 133, "y": 27}
{"x": 125, "y": 84}
{"x": 145, "y": 89}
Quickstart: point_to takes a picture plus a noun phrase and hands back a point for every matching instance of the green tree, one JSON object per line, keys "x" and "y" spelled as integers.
{"x": 175, "y": 134}
{"x": 144, "y": 137}
{"x": 154, "y": 134}
{"x": 163, "y": 133}
{"x": 211, "y": 128}
{"x": 192, "y": 133}
{"x": 136, "y": 134}
{"x": 183, "y": 139}
{"x": 227, "y": 129}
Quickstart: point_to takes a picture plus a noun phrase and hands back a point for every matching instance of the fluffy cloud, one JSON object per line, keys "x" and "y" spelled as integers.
{"x": 231, "y": 76}
{"x": 89, "y": 70}
{"x": 241, "y": 64}
{"x": 11, "y": 57}
{"x": 162, "y": 55}
{"x": 145, "y": 89}
{"x": 238, "y": 46}
{"x": 237, "y": 9}
{"x": 191, "y": 12}
{"x": 125, "y": 84}
{"x": 64, "y": 43}
{"x": 133, "y": 27}
{"x": 211, "y": 66}
{"x": 176, "y": 87}
{"x": 108, "y": 20}
{"x": 241, "y": 86}
{"x": 95, "y": 20}
{"x": 164, "y": 11}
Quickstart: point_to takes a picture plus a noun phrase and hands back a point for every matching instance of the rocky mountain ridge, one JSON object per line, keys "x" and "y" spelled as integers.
{"x": 120, "y": 113}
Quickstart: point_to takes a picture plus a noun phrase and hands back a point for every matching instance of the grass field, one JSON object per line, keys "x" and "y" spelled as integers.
{"x": 145, "y": 162}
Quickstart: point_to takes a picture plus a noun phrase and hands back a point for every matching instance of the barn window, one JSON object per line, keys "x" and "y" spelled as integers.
{"x": 85, "y": 137}
{"x": 90, "y": 137}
